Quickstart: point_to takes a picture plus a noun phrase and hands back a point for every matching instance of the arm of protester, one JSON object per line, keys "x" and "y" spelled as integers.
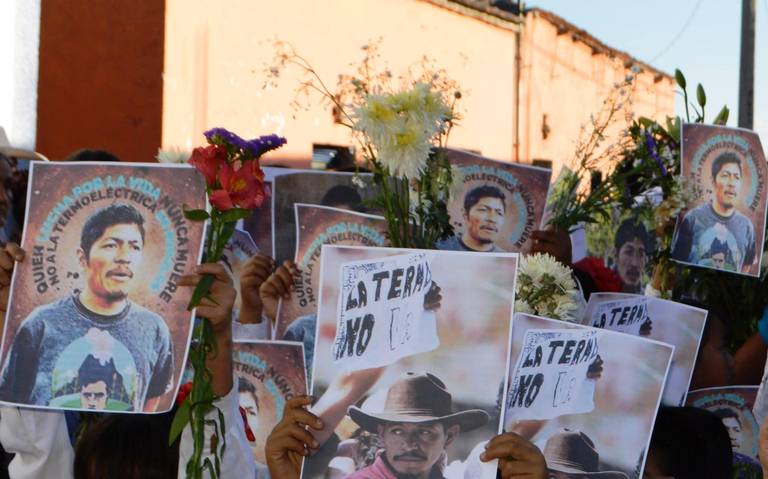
{"x": 556, "y": 243}
{"x": 39, "y": 442}
{"x": 749, "y": 360}
{"x": 237, "y": 460}
{"x": 256, "y": 271}
{"x": 518, "y": 457}
{"x": 278, "y": 285}
{"x": 345, "y": 390}
{"x": 290, "y": 441}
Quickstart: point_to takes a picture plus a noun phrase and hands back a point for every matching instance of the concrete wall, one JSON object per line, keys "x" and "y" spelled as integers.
{"x": 215, "y": 59}
{"x": 100, "y": 83}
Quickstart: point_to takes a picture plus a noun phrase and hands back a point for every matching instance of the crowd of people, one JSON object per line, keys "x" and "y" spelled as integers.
{"x": 686, "y": 442}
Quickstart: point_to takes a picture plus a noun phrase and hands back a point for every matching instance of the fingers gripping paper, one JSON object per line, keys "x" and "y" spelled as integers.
{"x": 382, "y": 316}
{"x": 550, "y": 377}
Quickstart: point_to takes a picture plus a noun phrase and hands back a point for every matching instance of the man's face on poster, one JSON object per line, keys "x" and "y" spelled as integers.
{"x": 485, "y": 219}
{"x": 413, "y": 449}
{"x": 727, "y": 185}
{"x": 630, "y": 262}
{"x": 113, "y": 261}
{"x": 248, "y": 403}
{"x": 734, "y": 431}
{"x": 718, "y": 260}
{"x": 94, "y": 395}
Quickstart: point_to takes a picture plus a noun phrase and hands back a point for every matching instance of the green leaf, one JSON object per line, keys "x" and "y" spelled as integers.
{"x": 180, "y": 421}
{"x": 680, "y": 78}
{"x": 195, "y": 215}
{"x": 235, "y": 214}
{"x": 722, "y": 117}
{"x": 201, "y": 291}
{"x": 701, "y": 97}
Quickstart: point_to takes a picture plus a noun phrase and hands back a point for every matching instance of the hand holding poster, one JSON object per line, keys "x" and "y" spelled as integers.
{"x": 499, "y": 206}
{"x": 382, "y": 311}
{"x": 550, "y": 377}
{"x": 673, "y": 323}
{"x": 96, "y": 318}
{"x": 724, "y": 227}
{"x": 316, "y": 226}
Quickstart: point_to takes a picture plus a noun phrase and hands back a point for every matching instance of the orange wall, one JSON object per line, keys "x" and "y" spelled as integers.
{"x": 562, "y": 78}
{"x": 100, "y": 83}
{"x": 215, "y": 59}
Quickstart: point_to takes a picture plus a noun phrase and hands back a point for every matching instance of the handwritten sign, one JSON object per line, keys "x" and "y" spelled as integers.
{"x": 550, "y": 378}
{"x": 624, "y": 315}
{"x": 381, "y": 311}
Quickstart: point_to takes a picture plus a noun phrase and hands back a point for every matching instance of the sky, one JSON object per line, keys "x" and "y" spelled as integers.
{"x": 700, "y": 37}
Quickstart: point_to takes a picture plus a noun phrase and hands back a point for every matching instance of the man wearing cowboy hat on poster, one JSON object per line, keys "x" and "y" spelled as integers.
{"x": 572, "y": 454}
{"x": 416, "y": 426}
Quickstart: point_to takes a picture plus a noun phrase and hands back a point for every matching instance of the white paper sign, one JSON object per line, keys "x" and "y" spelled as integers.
{"x": 550, "y": 377}
{"x": 624, "y": 315}
{"x": 381, "y": 311}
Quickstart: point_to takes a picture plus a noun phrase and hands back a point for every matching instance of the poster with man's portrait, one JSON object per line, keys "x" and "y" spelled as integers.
{"x": 587, "y": 397}
{"x": 316, "y": 226}
{"x": 733, "y": 405}
{"x": 724, "y": 227}
{"x": 269, "y": 374}
{"x": 401, "y": 328}
{"x": 349, "y": 191}
{"x": 497, "y": 205}
{"x": 96, "y": 319}
{"x": 259, "y": 222}
{"x": 666, "y": 321}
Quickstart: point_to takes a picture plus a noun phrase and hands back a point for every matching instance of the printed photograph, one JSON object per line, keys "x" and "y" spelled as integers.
{"x": 587, "y": 397}
{"x": 497, "y": 204}
{"x": 666, "y": 321}
{"x": 316, "y": 226}
{"x": 399, "y": 328}
{"x": 725, "y": 227}
{"x": 96, "y": 320}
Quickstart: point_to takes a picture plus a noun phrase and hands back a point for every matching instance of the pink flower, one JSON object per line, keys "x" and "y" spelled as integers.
{"x": 208, "y": 160}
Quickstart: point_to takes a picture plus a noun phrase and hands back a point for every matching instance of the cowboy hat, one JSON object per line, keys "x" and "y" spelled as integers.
{"x": 7, "y": 150}
{"x": 574, "y": 453}
{"x": 418, "y": 398}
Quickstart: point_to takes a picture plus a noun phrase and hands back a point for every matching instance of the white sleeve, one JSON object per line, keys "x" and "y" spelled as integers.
{"x": 237, "y": 460}
{"x": 40, "y": 442}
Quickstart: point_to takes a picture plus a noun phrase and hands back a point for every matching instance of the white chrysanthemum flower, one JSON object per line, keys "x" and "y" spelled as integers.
{"x": 546, "y": 288}
{"x": 172, "y": 155}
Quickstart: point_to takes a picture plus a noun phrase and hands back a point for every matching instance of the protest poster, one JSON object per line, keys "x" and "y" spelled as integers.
{"x": 612, "y": 403}
{"x": 316, "y": 226}
{"x": 455, "y": 385}
{"x": 499, "y": 205}
{"x": 349, "y": 191}
{"x": 724, "y": 226}
{"x": 626, "y": 315}
{"x": 96, "y": 319}
{"x": 733, "y": 405}
{"x": 666, "y": 321}
{"x": 269, "y": 373}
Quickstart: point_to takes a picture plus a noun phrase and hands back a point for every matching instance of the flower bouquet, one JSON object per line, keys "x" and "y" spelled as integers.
{"x": 235, "y": 185}
{"x": 546, "y": 288}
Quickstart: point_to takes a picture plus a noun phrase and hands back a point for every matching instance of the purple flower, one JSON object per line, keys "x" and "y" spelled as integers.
{"x": 651, "y": 144}
{"x": 259, "y": 146}
{"x": 222, "y": 135}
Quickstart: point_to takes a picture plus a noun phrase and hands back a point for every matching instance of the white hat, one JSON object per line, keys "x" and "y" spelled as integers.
{"x": 7, "y": 150}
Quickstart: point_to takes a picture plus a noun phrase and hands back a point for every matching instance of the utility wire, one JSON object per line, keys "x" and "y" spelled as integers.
{"x": 679, "y": 34}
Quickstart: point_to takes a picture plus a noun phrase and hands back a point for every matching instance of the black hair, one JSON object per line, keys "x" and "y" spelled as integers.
{"x": 722, "y": 160}
{"x": 726, "y": 412}
{"x": 628, "y": 230}
{"x": 342, "y": 195}
{"x": 92, "y": 155}
{"x": 244, "y": 386}
{"x": 719, "y": 246}
{"x": 114, "y": 214}
{"x": 133, "y": 446}
{"x": 93, "y": 371}
{"x": 690, "y": 443}
{"x": 484, "y": 191}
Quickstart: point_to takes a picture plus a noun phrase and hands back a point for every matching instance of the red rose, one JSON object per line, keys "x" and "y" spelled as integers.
{"x": 606, "y": 280}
